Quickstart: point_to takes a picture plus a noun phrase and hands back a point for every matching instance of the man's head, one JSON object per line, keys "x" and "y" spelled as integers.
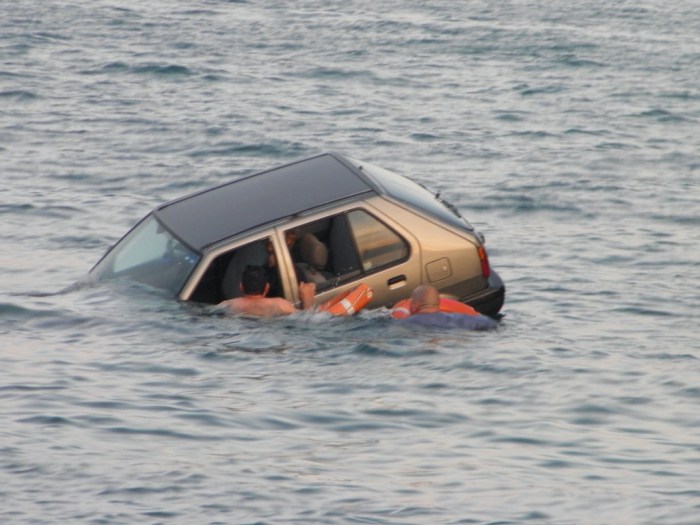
{"x": 425, "y": 299}
{"x": 254, "y": 281}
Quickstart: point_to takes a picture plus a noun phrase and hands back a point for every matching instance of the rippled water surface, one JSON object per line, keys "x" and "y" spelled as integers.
{"x": 567, "y": 133}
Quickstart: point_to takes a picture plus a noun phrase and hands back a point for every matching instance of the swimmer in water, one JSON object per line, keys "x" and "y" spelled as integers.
{"x": 255, "y": 287}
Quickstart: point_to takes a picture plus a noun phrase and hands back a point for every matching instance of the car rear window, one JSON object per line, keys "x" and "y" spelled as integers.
{"x": 414, "y": 194}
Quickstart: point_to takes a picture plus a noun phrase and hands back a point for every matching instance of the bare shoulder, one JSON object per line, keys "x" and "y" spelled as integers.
{"x": 284, "y": 306}
{"x": 233, "y": 305}
{"x": 260, "y": 307}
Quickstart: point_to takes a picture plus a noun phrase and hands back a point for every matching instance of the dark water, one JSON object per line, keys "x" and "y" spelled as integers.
{"x": 567, "y": 133}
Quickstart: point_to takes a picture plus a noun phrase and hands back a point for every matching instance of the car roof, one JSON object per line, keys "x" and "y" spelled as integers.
{"x": 214, "y": 214}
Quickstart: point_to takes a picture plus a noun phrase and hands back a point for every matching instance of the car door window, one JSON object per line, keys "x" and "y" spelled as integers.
{"x": 378, "y": 245}
{"x": 222, "y": 278}
{"x": 356, "y": 243}
{"x": 309, "y": 249}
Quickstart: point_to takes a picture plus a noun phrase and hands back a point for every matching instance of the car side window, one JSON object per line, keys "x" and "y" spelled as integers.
{"x": 378, "y": 245}
{"x": 342, "y": 247}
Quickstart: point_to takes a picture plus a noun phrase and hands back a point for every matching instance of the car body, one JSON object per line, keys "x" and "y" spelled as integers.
{"x": 328, "y": 219}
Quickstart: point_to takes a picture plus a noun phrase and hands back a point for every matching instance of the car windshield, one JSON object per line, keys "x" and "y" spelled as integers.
{"x": 415, "y": 194}
{"x": 150, "y": 254}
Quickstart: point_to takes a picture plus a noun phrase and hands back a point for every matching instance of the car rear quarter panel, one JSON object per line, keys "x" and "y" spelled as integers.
{"x": 449, "y": 259}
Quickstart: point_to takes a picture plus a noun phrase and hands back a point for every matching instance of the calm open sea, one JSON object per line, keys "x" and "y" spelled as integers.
{"x": 567, "y": 132}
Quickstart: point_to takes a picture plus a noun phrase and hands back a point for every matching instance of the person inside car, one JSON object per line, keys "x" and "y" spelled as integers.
{"x": 255, "y": 287}
{"x": 271, "y": 266}
{"x": 425, "y": 311}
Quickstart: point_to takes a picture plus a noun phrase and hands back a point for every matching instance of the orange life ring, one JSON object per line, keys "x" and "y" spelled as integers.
{"x": 402, "y": 309}
{"x": 456, "y": 307}
{"x": 349, "y": 302}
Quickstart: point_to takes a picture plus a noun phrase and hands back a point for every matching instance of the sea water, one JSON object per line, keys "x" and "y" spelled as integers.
{"x": 567, "y": 133}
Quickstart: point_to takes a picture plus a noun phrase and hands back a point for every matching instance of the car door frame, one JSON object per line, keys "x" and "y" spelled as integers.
{"x": 228, "y": 246}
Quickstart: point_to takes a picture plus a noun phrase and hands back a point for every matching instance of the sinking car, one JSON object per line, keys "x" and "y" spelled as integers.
{"x": 327, "y": 219}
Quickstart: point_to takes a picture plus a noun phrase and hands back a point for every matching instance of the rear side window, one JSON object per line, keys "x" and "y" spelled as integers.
{"x": 378, "y": 245}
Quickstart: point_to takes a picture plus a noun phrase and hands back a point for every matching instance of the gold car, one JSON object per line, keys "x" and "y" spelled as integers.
{"x": 328, "y": 219}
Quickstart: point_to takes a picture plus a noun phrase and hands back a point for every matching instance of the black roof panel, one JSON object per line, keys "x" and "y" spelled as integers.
{"x": 209, "y": 216}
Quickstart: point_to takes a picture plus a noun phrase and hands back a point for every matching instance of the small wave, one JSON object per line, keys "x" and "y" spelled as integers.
{"x": 24, "y": 470}
{"x": 253, "y": 341}
{"x": 373, "y": 350}
{"x": 528, "y": 91}
{"x": 51, "y": 421}
{"x": 534, "y": 134}
{"x": 574, "y": 61}
{"x": 148, "y": 369}
{"x": 11, "y": 310}
{"x": 162, "y": 70}
{"x": 420, "y": 418}
{"x": 338, "y": 74}
{"x": 614, "y": 146}
{"x": 30, "y": 388}
{"x": 580, "y": 131}
{"x": 686, "y": 220}
{"x": 665, "y": 356}
{"x": 114, "y": 67}
{"x": 196, "y": 12}
{"x": 661, "y": 115}
{"x": 214, "y": 77}
{"x": 680, "y": 95}
{"x": 692, "y": 392}
{"x": 161, "y": 432}
{"x": 47, "y": 36}
{"x": 12, "y": 75}
{"x": 78, "y": 285}
{"x": 643, "y": 311}
{"x": 522, "y": 440}
{"x": 272, "y": 149}
{"x": 58, "y": 212}
{"x": 425, "y": 137}
{"x": 19, "y": 95}
{"x": 113, "y": 491}
{"x": 166, "y": 70}
{"x": 518, "y": 204}
{"x": 511, "y": 116}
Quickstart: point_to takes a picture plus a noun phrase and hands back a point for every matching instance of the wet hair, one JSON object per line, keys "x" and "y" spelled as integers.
{"x": 254, "y": 280}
